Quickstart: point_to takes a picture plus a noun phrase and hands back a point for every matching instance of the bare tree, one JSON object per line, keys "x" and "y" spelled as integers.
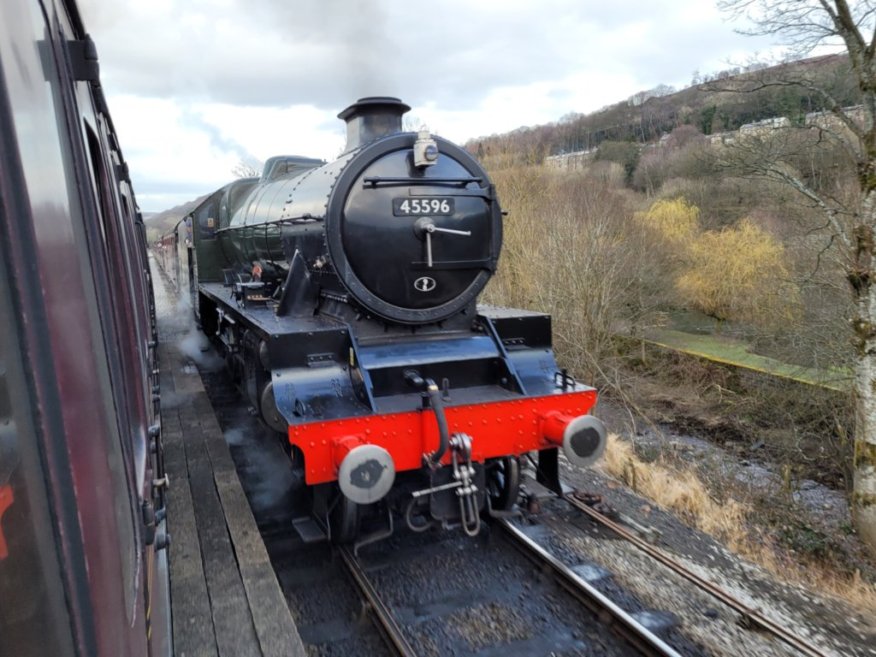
{"x": 244, "y": 169}
{"x": 413, "y": 123}
{"x": 849, "y": 220}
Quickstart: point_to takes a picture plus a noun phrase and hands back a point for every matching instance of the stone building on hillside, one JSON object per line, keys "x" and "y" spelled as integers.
{"x": 571, "y": 161}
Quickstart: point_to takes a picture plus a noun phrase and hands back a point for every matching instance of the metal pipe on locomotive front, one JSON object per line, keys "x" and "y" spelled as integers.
{"x": 430, "y": 388}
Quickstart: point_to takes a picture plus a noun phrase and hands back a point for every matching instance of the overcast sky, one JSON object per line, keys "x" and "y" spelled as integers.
{"x": 195, "y": 86}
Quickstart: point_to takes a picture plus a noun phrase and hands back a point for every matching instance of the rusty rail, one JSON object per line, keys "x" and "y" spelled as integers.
{"x": 384, "y": 620}
{"x": 751, "y": 617}
{"x": 618, "y": 620}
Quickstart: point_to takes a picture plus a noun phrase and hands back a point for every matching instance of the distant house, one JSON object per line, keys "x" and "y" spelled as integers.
{"x": 830, "y": 121}
{"x": 824, "y": 120}
{"x": 722, "y": 138}
{"x": 765, "y": 126}
{"x": 571, "y": 161}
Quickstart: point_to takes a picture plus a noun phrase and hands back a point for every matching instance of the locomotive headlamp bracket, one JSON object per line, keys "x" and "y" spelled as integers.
{"x": 425, "y": 150}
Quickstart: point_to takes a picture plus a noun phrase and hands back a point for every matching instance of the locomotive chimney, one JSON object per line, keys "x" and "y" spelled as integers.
{"x": 371, "y": 118}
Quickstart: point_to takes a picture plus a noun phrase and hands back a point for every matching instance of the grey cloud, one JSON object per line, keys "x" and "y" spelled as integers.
{"x": 447, "y": 54}
{"x": 185, "y": 189}
{"x": 195, "y": 121}
{"x": 329, "y": 53}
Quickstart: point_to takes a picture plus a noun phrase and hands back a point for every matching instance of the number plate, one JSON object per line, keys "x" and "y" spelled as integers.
{"x": 422, "y": 205}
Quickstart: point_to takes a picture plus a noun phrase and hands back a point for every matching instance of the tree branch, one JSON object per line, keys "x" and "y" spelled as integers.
{"x": 762, "y": 158}
{"x": 846, "y": 27}
{"x": 830, "y": 212}
{"x": 811, "y": 276}
{"x": 754, "y": 85}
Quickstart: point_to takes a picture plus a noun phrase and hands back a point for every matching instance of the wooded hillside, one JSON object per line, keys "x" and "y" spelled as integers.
{"x": 647, "y": 116}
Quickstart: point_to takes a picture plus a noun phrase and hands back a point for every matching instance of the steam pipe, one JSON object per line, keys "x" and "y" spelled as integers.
{"x": 436, "y": 400}
{"x": 434, "y": 393}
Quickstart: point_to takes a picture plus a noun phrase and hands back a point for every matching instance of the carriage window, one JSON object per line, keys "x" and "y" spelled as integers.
{"x": 117, "y": 334}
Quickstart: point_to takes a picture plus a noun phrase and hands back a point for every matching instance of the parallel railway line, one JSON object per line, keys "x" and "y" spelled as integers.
{"x": 750, "y": 616}
{"x": 640, "y": 639}
{"x": 618, "y": 620}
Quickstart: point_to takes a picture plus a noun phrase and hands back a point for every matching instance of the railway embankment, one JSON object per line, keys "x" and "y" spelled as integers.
{"x": 749, "y": 449}
{"x": 798, "y": 420}
{"x": 812, "y": 613}
{"x": 739, "y": 354}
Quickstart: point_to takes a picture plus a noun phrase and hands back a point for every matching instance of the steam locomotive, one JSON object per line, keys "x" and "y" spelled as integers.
{"x": 343, "y": 296}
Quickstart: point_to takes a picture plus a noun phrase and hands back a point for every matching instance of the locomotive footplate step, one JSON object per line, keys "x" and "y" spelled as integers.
{"x": 225, "y": 598}
{"x": 537, "y": 491}
{"x": 308, "y": 530}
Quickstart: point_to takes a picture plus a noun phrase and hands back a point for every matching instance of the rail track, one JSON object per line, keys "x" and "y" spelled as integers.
{"x": 640, "y": 639}
{"x": 750, "y": 617}
{"x": 392, "y": 634}
{"x": 618, "y": 620}
{"x": 330, "y": 619}
{"x": 380, "y": 612}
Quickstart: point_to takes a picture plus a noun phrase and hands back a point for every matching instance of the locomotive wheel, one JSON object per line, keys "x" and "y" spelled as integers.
{"x": 343, "y": 520}
{"x": 503, "y": 483}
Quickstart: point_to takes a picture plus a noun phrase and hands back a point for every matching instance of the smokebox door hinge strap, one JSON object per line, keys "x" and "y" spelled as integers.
{"x": 83, "y": 59}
